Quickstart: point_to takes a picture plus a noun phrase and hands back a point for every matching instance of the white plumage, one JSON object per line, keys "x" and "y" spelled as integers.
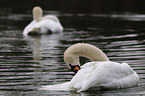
{"x": 105, "y": 74}
{"x": 97, "y": 74}
{"x": 41, "y": 25}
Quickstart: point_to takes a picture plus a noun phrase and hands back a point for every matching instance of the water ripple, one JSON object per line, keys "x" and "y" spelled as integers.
{"x": 26, "y": 63}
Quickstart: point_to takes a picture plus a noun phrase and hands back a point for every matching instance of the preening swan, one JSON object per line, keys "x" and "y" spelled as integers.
{"x": 100, "y": 73}
{"x": 42, "y": 24}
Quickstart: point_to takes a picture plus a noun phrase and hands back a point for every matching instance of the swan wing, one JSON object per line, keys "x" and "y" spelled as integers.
{"x": 59, "y": 87}
{"x": 29, "y": 27}
{"x": 49, "y": 25}
{"x": 51, "y": 17}
{"x": 108, "y": 74}
{"x": 43, "y": 26}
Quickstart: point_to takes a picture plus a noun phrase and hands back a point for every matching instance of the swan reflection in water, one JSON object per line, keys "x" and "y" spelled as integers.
{"x": 43, "y": 49}
{"x": 43, "y": 45}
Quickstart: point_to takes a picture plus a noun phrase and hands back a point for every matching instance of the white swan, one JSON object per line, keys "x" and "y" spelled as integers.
{"x": 42, "y": 24}
{"x": 99, "y": 73}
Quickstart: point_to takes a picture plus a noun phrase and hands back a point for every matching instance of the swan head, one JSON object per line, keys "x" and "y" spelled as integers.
{"x": 72, "y": 54}
{"x": 37, "y": 13}
{"x": 74, "y": 68}
{"x": 72, "y": 62}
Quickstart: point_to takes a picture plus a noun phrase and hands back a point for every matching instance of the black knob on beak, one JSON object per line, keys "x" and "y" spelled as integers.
{"x": 74, "y": 68}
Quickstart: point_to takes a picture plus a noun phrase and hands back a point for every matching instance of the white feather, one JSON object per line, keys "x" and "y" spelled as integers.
{"x": 100, "y": 73}
{"x": 106, "y": 74}
{"x": 43, "y": 24}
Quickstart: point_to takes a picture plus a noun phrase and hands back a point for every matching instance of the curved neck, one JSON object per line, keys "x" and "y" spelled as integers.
{"x": 91, "y": 52}
{"x": 37, "y": 13}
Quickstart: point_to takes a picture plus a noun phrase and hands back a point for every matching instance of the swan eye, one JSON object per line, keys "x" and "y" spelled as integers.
{"x": 74, "y": 68}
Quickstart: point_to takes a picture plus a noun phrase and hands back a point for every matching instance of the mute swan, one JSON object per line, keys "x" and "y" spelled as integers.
{"x": 42, "y": 24}
{"x": 100, "y": 73}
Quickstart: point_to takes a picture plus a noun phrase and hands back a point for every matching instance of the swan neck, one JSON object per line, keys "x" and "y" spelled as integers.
{"x": 86, "y": 50}
{"x": 37, "y": 13}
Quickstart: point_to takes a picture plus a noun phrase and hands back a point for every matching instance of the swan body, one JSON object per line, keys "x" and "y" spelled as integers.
{"x": 42, "y": 24}
{"x": 106, "y": 74}
{"x": 100, "y": 73}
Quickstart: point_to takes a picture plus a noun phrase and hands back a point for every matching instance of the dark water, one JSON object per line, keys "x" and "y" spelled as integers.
{"x": 27, "y": 63}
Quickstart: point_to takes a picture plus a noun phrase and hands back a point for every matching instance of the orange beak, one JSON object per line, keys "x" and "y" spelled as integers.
{"x": 76, "y": 68}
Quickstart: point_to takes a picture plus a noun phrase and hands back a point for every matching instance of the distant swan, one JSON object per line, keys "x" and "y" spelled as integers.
{"x": 42, "y": 24}
{"x": 100, "y": 73}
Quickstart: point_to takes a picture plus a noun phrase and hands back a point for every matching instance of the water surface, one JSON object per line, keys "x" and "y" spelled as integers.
{"x": 27, "y": 63}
